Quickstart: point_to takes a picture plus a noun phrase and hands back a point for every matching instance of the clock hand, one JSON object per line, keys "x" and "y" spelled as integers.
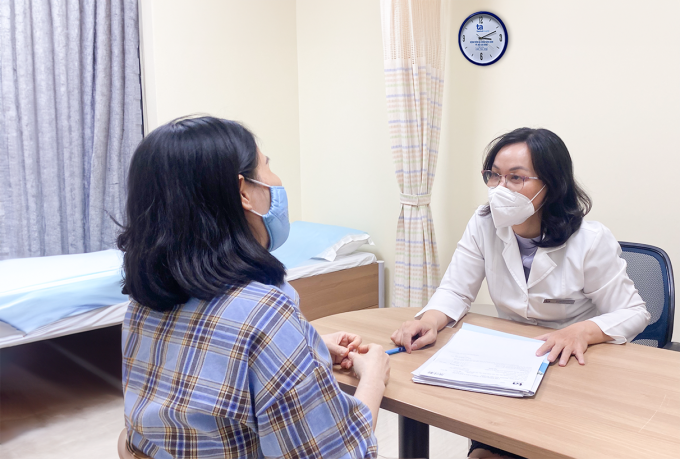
{"x": 488, "y": 35}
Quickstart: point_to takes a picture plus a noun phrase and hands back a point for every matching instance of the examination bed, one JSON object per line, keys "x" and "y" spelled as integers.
{"x": 48, "y": 297}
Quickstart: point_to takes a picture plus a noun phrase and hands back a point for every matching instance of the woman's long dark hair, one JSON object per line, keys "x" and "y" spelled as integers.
{"x": 186, "y": 233}
{"x": 565, "y": 203}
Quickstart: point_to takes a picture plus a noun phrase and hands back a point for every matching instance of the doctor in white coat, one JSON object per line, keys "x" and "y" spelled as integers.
{"x": 543, "y": 263}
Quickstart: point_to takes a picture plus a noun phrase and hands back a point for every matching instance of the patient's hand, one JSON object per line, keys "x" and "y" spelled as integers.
{"x": 340, "y": 344}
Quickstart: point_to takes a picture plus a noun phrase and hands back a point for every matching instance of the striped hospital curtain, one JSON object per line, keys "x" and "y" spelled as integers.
{"x": 414, "y": 45}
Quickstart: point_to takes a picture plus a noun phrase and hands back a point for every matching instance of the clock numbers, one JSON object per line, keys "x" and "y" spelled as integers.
{"x": 484, "y": 37}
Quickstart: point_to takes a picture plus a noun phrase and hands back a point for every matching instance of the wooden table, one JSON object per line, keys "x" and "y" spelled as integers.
{"x": 624, "y": 403}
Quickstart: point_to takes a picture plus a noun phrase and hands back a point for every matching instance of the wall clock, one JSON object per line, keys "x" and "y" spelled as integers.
{"x": 483, "y": 38}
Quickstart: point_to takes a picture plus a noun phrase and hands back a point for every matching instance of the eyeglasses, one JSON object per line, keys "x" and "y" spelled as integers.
{"x": 514, "y": 182}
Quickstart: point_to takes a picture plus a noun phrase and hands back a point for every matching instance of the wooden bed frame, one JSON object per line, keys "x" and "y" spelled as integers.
{"x": 341, "y": 291}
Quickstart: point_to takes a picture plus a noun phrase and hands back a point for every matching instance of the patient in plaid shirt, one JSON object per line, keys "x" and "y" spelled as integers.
{"x": 218, "y": 360}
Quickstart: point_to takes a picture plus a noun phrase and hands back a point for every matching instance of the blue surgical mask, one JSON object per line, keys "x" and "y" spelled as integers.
{"x": 276, "y": 220}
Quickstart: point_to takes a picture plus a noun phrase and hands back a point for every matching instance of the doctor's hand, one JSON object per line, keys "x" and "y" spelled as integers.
{"x": 416, "y": 334}
{"x": 572, "y": 340}
{"x": 340, "y": 344}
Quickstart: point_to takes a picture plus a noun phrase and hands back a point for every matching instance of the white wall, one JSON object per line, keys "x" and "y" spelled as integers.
{"x": 347, "y": 172}
{"x": 229, "y": 58}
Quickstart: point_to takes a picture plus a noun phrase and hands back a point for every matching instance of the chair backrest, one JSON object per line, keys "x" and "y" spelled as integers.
{"x": 650, "y": 269}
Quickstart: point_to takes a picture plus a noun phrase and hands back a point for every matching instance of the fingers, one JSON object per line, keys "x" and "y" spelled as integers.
{"x": 563, "y": 349}
{"x": 404, "y": 336}
{"x": 408, "y": 331}
{"x": 333, "y": 348}
{"x": 415, "y": 331}
{"x": 373, "y": 347}
{"x": 563, "y": 344}
{"x": 566, "y": 354}
{"x": 545, "y": 348}
{"x": 346, "y": 339}
{"x": 579, "y": 357}
{"x": 362, "y": 349}
{"x": 555, "y": 352}
{"x": 352, "y": 356}
{"x": 346, "y": 363}
{"x": 397, "y": 337}
{"x": 337, "y": 351}
{"x": 340, "y": 344}
{"x": 350, "y": 340}
{"x": 354, "y": 341}
{"x": 428, "y": 338}
{"x": 342, "y": 337}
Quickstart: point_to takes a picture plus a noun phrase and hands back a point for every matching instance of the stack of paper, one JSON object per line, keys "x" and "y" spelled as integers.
{"x": 483, "y": 360}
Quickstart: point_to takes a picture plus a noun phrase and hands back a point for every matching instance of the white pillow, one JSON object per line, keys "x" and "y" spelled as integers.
{"x": 348, "y": 244}
{"x": 308, "y": 241}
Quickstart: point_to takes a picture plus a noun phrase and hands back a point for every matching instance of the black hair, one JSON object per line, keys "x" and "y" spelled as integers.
{"x": 186, "y": 233}
{"x": 565, "y": 202}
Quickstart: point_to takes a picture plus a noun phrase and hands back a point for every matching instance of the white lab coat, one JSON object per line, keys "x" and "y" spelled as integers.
{"x": 586, "y": 269}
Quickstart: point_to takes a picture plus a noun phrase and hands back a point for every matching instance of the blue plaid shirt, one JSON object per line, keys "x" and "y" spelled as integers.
{"x": 242, "y": 375}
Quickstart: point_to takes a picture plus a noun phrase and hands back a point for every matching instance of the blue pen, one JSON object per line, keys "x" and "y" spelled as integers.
{"x": 396, "y": 350}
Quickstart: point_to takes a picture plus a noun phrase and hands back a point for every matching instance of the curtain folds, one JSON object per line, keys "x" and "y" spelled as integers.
{"x": 70, "y": 118}
{"x": 414, "y": 45}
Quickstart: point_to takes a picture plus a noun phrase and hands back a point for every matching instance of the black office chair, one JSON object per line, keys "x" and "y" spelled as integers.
{"x": 650, "y": 269}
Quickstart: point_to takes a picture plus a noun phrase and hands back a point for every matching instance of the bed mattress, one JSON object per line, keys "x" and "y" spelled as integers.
{"x": 315, "y": 267}
{"x": 114, "y": 314}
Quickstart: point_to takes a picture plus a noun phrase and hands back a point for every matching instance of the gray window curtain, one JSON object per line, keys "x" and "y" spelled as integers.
{"x": 70, "y": 119}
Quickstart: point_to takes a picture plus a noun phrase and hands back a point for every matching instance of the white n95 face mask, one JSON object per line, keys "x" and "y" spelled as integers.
{"x": 510, "y": 208}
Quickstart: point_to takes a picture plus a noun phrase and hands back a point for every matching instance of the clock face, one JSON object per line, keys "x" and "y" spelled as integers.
{"x": 482, "y": 38}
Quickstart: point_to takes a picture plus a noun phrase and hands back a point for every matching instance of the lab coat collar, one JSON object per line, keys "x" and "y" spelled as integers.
{"x": 511, "y": 255}
{"x": 541, "y": 267}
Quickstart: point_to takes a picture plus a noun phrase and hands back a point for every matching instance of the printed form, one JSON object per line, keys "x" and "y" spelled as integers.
{"x": 484, "y": 360}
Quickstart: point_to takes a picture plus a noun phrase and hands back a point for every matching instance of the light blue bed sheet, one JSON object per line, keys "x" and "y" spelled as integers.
{"x": 37, "y": 291}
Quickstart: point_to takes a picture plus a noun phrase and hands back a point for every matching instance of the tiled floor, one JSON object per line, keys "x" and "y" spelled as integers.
{"x": 61, "y": 399}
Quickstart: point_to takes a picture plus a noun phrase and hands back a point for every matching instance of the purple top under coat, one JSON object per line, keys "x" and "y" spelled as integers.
{"x": 527, "y": 250}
